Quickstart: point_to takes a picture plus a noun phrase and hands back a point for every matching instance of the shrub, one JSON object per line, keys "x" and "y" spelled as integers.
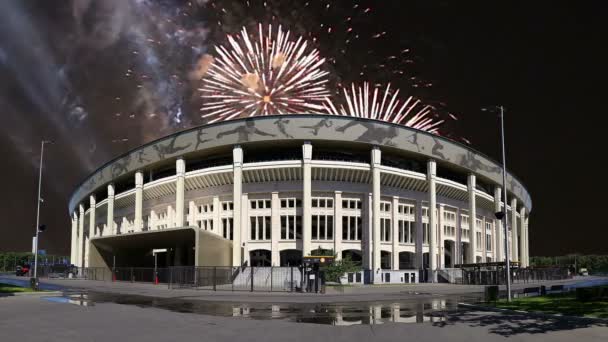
{"x": 334, "y": 271}
{"x": 586, "y": 294}
{"x": 491, "y": 293}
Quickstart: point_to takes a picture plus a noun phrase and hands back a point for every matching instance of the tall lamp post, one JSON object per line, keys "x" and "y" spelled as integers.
{"x": 502, "y": 215}
{"x": 34, "y": 280}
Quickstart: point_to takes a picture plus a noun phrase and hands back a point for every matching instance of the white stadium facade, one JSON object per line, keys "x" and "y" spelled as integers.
{"x": 265, "y": 191}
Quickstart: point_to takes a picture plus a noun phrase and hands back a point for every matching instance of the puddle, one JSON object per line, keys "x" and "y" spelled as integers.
{"x": 422, "y": 310}
{"x": 80, "y": 300}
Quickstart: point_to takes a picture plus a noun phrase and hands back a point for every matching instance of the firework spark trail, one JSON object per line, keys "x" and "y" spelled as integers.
{"x": 389, "y": 108}
{"x": 268, "y": 74}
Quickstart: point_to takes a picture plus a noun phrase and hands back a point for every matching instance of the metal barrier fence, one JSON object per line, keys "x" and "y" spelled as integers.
{"x": 141, "y": 274}
{"x": 128, "y": 274}
{"x": 518, "y": 276}
{"x": 53, "y": 271}
{"x": 244, "y": 278}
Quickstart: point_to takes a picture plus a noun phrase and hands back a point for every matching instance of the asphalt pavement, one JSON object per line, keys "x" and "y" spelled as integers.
{"x": 36, "y": 319}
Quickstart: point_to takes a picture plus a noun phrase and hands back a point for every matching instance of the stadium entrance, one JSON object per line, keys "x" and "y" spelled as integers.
{"x": 182, "y": 247}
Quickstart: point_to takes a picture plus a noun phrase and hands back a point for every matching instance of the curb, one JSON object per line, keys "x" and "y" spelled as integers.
{"x": 533, "y": 314}
{"x": 26, "y": 294}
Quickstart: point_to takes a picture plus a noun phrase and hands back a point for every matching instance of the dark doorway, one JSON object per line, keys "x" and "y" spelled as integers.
{"x": 260, "y": 257}
{"x": 354, "y": 255}
{"x": 406, "y": 261}
{"x": 425, "y": 260}
{"x": 291, "y": 257}
{"x": 448, "y": 254}
{"x": 385, "y": 260}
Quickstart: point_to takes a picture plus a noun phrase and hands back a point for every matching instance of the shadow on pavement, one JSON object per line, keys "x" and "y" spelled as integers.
{"x": 510, "y": 324}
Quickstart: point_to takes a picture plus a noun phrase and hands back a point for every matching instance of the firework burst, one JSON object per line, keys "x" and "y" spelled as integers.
{"x": 386, "y": 106}
{"x": 267, "y": 74}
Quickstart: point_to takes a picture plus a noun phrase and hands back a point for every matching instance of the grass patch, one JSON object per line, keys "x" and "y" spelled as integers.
{"x": 8, "y": 288}
{"x": 563, "y": 303}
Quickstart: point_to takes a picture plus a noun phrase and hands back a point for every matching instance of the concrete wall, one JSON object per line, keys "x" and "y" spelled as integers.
{"x": 212, "y": 250}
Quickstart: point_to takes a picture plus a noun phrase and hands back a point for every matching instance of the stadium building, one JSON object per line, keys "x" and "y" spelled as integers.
{"x": 265, "y": 191}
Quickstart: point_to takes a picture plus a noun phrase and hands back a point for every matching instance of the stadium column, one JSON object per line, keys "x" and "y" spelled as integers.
{"x": 110, "y": 213}
{"x": 180, "y": 171}
{"x": 472, "y": 219}
{"x": 395, "y": 232}
{"x": 217, "y": 219}
{"x": 457, "y": 254}
{"x": 338, "y": 224}
{"x": 522, "y": 237}
{"x": 514, "y": 244}
{"x": 527, "y": 242}
{"x": 74, "y": 251}
{"x": 484, "y": 246}
{"x": 237, "y": 194}
{"x": 91, "y": 234}
{"x": 93, "y": 203}
{"x": 275, "y": 225}
{"x": 192, "y": 210}
{"x": 245, "y": 232}
{"x": 139, "y": 198}
{"x": 306, "y": 197}
{"x": 497, "y": 225}
{"x": 440, "y": 223}
{"x": 366, "y": 231}
{"x": 431, "y": 177}
{"x": 419, "y": 235}
{"x": 375, "y": 162}
{"x": 81, "y": 235}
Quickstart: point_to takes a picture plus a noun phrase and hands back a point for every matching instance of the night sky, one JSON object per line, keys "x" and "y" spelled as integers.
{"x": 102, "y": 77}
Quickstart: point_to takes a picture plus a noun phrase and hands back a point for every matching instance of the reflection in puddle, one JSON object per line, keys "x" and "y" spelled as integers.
{"x": 413, "y": 311}
{"x": 80, "y": 300}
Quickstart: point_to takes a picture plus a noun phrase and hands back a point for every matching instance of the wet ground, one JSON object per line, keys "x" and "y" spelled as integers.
{"x": 422, "y": 310}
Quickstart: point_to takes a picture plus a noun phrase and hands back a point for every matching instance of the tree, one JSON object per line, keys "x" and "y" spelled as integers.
{"x": 338, "y": 268}
{"x": 321, "y": 252}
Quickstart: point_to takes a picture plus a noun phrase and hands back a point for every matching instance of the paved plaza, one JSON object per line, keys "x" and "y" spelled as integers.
{"x": 35, "y": 319}
{"x": 334, "y": 294}
{"x": 173, "y": 315}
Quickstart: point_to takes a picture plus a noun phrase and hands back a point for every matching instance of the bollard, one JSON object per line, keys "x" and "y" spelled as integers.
{"x": 34, "y": 284}
{"x": 251, "y": 268}
{"x": 491, "y": 293}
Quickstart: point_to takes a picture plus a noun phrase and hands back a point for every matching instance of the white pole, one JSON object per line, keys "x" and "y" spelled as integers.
{"x": 504, "y": 186}
{"x": 38, "y": 210}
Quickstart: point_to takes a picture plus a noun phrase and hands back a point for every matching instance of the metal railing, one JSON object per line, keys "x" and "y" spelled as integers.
{"x": 125, "y": 274}
{"x": 497, "y": 276}
{"x": 243, "y": 278}
{"x": 141, "y": 274}
{"x": 53, "y": 271}
{"x": 450, "y": 275}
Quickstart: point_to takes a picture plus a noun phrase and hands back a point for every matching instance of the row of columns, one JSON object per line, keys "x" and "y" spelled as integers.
{"x": 436, "y": 248}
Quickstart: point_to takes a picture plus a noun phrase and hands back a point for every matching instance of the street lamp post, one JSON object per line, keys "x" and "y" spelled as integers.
{"x": 35, "y": 279}
{"x": 504, "y": 186}
{"x": 502, "y": 215}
